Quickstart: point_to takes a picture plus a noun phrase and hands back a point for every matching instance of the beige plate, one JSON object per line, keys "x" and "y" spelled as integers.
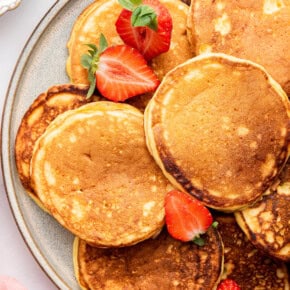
{"x": 38, "y": 68}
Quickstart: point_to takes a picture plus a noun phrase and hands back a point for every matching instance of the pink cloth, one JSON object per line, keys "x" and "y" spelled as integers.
{"x": 9, "y": 283}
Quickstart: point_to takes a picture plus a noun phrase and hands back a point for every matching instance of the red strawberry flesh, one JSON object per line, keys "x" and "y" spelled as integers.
{"x": 149, "y": 42}
{"x": 123, "y": 73}
{"x": 186, "y": 218}
{"x": 228, "y": 284}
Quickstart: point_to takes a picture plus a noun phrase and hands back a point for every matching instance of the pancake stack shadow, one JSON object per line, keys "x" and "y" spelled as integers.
{"x": 216, "y": 128}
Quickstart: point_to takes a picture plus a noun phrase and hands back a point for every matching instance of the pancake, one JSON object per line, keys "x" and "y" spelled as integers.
{"x": 94, "y": 20}
{"x": 267, "y": 222}
{"x": 254, "y": 30}
{"x": 218, "y": 127}
{"x": 43, "y": 110}
{"x": 92, "y": 171}
{"x": 247, "y": 265}
{"x": 160, "y": 263}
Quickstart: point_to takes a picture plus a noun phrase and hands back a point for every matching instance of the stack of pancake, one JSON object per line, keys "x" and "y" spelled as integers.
{"x": 216, "y": 128}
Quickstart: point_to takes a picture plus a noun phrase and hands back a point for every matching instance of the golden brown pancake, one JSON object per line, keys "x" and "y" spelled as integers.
{"x": 92, "y": 171}
{"x": 245, "y": 264}
{"x": 267, "y": 222}
{"x": 159, "y": 263}
{"x": 100, "y": 17}
{"x": 256, "y": 30}
{"x": 218, "y": 126}
{"x": 43, "y": 110}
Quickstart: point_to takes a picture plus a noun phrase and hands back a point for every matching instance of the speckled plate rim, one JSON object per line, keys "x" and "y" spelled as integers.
{"x": 6, "y": 157}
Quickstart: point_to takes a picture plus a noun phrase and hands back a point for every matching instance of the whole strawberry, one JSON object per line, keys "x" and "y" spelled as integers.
{"x": 119, "y": 72}
{"x": 145, "y": 25}
{"x": 228, "y": 284}
{"x": 186, "y": 217}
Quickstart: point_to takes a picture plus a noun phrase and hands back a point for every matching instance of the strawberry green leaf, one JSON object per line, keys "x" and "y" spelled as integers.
{"x": 92, "y": 80}
{"x": 91, "y": 52}
{"x": 136, "y": 2}
{"x": 93, "y": 47}
{"x": 103, "y": 44}
{"x": 86, "y": 61}
{"x": 199, "y": 241}
{"x": 215, "y": 224}
{"x": 144, "y": 15}
{"x": 128, "y": 4}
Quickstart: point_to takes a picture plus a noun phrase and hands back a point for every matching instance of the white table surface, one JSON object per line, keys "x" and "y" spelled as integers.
{"x": 15, "y": 258}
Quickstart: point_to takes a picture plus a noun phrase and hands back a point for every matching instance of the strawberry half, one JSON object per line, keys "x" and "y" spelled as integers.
{"x": 228, "y": 284}
{"x": 186, "y": 218}
{"x": 119, "y": 72}
{"x": 145, "y": 25}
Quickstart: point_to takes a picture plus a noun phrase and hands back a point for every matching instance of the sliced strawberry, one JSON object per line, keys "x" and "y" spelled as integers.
{"x": 123, "y": 73}
{"x": 228, "y": 284}
{"x": 186, "y": 218}
{"x": 146, "y": 27}
{"x": 119, "y": 72}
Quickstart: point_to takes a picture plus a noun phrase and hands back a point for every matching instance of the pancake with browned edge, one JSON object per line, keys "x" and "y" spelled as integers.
{"x": 56, "y": 100}
{"x": 244, "y": 263}
{"x": 218, "y": 127}
{"x": 267, "y": 222}
{"x": 256, "y": 30}
{"x": 92, "y": 171}
{"x": 159, "y": 263}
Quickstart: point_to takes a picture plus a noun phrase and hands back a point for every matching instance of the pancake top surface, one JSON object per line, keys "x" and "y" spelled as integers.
{"x": 160, "y": 263}
{"x": 44, "y": 109}
{"x": 92, "y": 171}
{"x": 100, "y": 17}
{"x": 244, "y": 263}
{"x": 267, "y": 222}
{"x": 256, "y": 30}
{"x": 218, "y": 126}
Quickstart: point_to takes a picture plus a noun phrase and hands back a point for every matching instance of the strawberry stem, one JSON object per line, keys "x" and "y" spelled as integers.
{"x": 199, "y": 241}
{"x": 215, "y": 224}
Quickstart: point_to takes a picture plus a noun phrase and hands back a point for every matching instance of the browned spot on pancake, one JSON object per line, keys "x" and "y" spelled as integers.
{"x": 255, "y": 30}
{"x": 160, "y": 263}
{"x": 247, "y": 265}
{"x": 44, "y": 109}
{"x": 140, "y": 102}
{"x": 267, "y": 222}
{"x": 187, "y": 2}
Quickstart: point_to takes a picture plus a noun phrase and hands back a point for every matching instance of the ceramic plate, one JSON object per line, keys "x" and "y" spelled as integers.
{"x": 41, "y": 65}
